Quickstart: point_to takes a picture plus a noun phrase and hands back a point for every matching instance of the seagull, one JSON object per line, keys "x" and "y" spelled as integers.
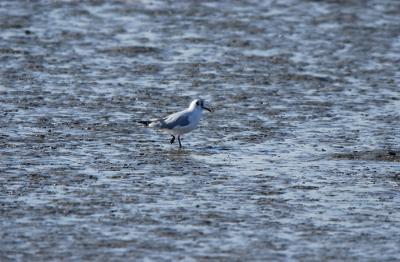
{"x": 181, "y": 122}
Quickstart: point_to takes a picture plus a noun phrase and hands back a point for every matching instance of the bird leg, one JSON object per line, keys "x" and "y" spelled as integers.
{"x": 179, "y": 140}
{"x": 172, "y": 139}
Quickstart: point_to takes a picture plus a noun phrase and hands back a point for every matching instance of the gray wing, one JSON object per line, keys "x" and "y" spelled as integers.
{"x": 178, "y": 119}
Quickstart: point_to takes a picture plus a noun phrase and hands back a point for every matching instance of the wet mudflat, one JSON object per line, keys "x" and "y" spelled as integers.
{"x": 299, "y": 161}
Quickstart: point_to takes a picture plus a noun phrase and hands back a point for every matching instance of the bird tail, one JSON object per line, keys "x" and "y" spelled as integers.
{"x": 146, "y": 123}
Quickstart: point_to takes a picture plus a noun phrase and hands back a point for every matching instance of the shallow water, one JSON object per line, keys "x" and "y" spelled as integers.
{"x": 299, "y": 160}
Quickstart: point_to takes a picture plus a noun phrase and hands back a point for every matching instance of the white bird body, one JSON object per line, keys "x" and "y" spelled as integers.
{"x": 181, "y": 122}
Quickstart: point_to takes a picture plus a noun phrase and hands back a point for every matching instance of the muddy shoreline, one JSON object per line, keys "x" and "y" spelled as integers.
{"x": 299, "y": 160}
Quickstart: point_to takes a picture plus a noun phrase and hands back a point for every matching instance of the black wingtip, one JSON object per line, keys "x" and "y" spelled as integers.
{"x": 146, "y": 123}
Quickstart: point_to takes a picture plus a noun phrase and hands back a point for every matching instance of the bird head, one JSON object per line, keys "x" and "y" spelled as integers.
{"x": 199, "y": 104}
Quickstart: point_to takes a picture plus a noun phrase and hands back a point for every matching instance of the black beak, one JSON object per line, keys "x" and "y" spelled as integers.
{"x": 206, "y": 108}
